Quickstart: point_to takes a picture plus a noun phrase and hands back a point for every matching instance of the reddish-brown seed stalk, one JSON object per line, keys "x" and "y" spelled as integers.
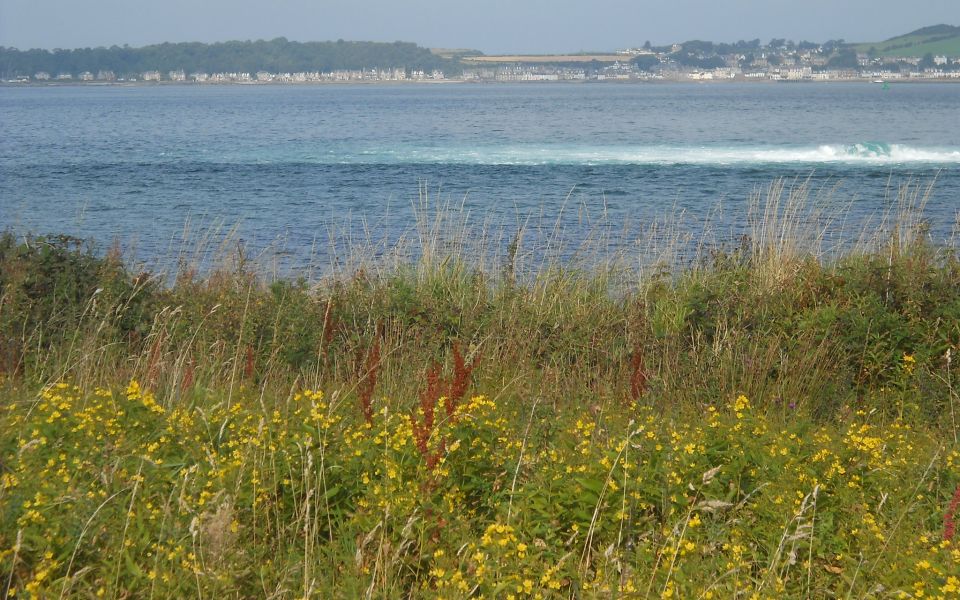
{"x": 248, "y": 367}
{"x": 188, "y": 374}
{"x": 949, "y": 527}
{"x": 460, "y": 381}
{"x": 153, "y": 362}
{"x": 368, "y": 382}
{"x": 638, "y": 375}
{"x": 452, "y": 392}
{"x": 328, "y": 324}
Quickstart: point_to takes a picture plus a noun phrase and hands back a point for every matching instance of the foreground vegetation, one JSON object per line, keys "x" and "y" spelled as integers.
{"x": 763, "y": 424}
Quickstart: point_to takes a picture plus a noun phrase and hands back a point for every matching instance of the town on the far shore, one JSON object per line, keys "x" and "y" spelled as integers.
{"x": 778, "y": 60}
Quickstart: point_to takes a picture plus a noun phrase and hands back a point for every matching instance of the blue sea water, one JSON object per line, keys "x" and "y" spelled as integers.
{"x": 289, "y": 164}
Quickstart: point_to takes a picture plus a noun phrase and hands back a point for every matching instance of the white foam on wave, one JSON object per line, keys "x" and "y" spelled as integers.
{"x": 865, "y": 153}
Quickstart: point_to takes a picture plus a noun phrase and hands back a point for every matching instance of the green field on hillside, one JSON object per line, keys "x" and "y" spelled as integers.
{"x": 936, "y": 40}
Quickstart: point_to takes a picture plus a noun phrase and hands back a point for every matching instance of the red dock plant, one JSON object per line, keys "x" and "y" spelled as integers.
{"x": 153, "y": 360}
{"x": 949, "y": 527}
{"x": 638, "y": 375}
{"x": 188, "y": 375}
{"x": 423, "y": 426}
{"x": 368, "y": 382}
{"x": 248, "y": 366}
{"x": 451, "y": 392}
{"x": 462, "y": 372}
{"x": 329, "y": 324}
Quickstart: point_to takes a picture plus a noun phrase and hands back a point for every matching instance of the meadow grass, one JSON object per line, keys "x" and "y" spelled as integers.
{"x": 773, "y": 419}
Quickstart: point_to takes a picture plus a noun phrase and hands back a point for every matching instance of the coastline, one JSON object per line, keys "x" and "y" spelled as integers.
{"x": 440, "y": 82}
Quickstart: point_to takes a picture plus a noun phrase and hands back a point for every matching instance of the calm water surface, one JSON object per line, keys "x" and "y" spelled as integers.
{"x": 287, "y": 164}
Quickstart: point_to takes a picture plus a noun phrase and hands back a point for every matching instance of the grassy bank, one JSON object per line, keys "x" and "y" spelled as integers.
{"x": 766, "y": 422}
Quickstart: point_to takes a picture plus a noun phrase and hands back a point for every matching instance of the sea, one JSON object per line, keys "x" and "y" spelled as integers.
{"x": 307, "y": 176}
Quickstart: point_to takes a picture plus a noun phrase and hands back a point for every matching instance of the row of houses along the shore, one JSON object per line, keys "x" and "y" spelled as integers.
{"x": 180, "y": 76}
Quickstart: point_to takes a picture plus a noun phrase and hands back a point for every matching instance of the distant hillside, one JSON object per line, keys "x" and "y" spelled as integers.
{"x": 937, "y": 40}
{"x": 277, "y": 55}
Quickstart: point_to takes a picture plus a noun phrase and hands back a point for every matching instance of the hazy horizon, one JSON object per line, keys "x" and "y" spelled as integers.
{"x": 498, "y": 26}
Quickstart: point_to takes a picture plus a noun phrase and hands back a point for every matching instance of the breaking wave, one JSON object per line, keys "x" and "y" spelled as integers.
{"x": 862, "y": 153}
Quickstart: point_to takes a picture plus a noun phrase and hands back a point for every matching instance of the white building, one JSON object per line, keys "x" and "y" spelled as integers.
{"x": 799, "y": 73}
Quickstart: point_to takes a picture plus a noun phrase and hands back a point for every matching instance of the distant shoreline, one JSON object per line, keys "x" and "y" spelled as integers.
{"x": 433, "y": 82}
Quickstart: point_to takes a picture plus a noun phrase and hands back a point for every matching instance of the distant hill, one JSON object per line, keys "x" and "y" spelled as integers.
{"x": 937, "y": 40}
{"x": 277, "y": 55}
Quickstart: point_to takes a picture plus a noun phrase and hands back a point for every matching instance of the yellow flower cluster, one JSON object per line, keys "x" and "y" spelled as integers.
{"x": 199, "y": 494}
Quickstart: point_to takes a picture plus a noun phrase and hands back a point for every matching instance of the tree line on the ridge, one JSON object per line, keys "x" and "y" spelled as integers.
{"x": 276, "y": 56}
